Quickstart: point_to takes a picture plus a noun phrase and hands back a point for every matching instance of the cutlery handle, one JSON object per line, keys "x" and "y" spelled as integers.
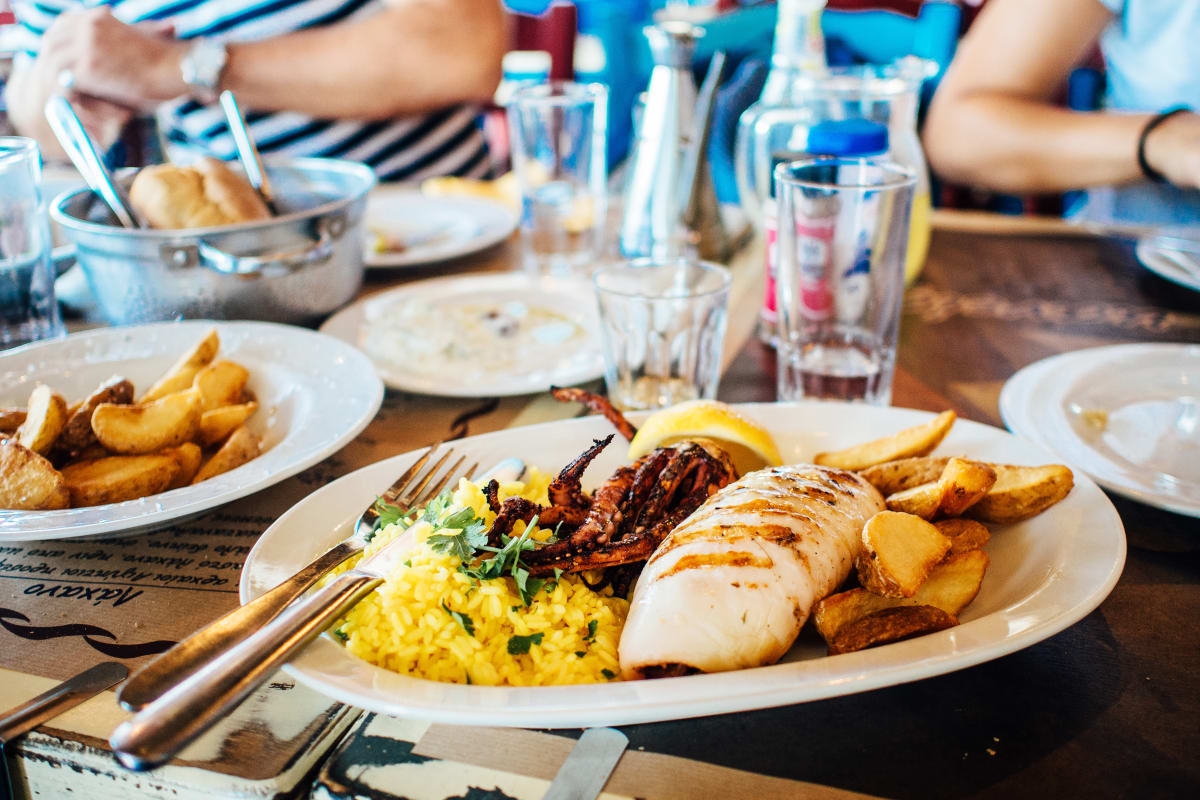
{"x": 163, "y": 728}
{"x": 163, "y": 673}
{"x": 247, "y": 152}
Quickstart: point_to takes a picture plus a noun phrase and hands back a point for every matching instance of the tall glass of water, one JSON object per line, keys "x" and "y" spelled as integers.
{"x": 28, "y": 311}
{"x": 558, "y": 150}
{"x": 843, "y": 237}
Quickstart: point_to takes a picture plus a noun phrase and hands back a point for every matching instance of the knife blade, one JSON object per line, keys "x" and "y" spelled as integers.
{"x": 588, "y": 766}
{"x": 50, "y": 704}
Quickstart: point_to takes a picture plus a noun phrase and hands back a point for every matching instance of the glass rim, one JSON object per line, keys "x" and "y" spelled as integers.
{"x": 897, "y": 175}
{"x": 13, "y": 148}
{"x": 647, "y": 263}
{"x": 558, "y": 92}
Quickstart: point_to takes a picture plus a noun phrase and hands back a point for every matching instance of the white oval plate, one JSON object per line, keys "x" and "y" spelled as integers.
{"x": 572, "y": 298}
{"x": 315, "y": 394}
{"x": 1045, "y": 575}
{"x": 1176, "y": 265}
{"x": 1150, "y": 450}
{"x": 438, "y": 228}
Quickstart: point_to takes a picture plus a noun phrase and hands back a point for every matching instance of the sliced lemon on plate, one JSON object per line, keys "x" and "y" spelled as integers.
{"x": 748, "y": 443}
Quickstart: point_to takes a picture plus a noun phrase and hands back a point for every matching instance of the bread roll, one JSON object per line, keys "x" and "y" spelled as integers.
{"x": 204, "y": 195}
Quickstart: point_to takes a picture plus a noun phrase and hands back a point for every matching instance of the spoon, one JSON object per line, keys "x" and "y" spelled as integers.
{"x": 79, "y": 148}
{"x": 247, "y": 152}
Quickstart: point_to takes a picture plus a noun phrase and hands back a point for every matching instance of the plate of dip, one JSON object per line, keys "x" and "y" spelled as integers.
{"x": 480, "y": 335}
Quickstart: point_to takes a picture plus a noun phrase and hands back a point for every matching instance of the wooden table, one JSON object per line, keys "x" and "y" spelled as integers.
{"x": 1106, "y": 708}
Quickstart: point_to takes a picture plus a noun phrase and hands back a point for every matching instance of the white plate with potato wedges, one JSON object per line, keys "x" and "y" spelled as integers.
{"x": 216, "y": 411}
{"x": 1030, "y": 580}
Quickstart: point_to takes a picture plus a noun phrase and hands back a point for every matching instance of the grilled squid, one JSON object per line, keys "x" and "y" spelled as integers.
{"x": 731, "y": 586}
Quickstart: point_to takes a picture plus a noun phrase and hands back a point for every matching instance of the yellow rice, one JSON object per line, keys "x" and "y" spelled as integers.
{"x": 403, "y": 626}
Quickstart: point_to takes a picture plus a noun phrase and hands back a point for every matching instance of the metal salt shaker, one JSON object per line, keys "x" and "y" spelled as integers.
{"x": 656, "y": 221}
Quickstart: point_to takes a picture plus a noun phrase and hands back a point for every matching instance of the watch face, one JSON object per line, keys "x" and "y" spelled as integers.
{"x": 203, "y": 64}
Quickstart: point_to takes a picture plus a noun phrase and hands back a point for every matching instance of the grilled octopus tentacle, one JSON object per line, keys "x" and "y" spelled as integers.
{"x": 565, "y": 490}
{"x": 598, "y": 404}
{"x": 518, "y": 508}
{"x": 601, "y": 520}
{"x": 492, "y": 493}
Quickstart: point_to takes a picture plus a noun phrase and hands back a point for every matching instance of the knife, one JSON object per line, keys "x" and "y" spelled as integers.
{"x": 588, "y": 766}
{"x": 50, "y": 704}
{"x": 188, "y": 656}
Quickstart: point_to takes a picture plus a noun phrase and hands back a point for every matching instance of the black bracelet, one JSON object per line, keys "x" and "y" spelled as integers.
{"x": 1158, "y": 119}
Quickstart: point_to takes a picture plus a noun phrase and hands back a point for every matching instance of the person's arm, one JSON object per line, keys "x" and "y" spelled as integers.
{"x": 992, "y": 124}
{"x": 414, "y": 55}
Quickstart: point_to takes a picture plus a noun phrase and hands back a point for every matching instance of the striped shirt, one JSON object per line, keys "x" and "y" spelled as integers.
{"x": 412, "y": 147}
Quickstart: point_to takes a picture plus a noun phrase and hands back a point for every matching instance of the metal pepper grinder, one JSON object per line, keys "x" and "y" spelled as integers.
{"x": 671, "y": 207}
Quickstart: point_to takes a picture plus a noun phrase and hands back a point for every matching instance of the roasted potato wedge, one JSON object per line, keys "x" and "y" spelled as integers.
{"x": 180, "y": 376}
{"x": 1022, "y": 492}
{"x": 890, "y": 625}
{"x": 964, "y": 534}
{"x": 78, "y": 433}
{"x": 899, "y": 551}
{"x": 221, "y": 384}
{"x": 240, "y": 447}
{"x": 115, "y": 479}
{"x": 11, "y": 419}
{"x": 148, "y": 427}
{"x": 44, "y": 420}
{"x": 891, "y": 477}
{"x": 921, "y": 501}
{"x": 916, "y": 441}
{"x": 28, "y": 481}
{"x": 950, "y": 586}
{"x": 215, "y": 425}
{"x": 188, "y": 456}
{"x": 963, "y": 484}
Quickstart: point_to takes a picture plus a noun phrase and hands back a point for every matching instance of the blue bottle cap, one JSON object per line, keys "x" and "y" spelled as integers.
{"x": 847, "y": 137}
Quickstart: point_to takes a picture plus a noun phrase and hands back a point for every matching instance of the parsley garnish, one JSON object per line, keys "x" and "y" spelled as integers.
{"x": 507, "y": 558}
{"x": 461, "y": 619}
{"x": 436, "y": 507}
{"x": 341, "y": 634}
{"x": 388, "y": 515}
{"x": 608, "y": 673}
{"x": 472, "y": 535}
{"x": 580, "y": 653}
{"x": 591, "y": 634}
{"x": 519, "y": 645}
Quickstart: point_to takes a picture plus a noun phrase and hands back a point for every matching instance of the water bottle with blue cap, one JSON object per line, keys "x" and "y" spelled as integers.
{"x": 817, "y": 251}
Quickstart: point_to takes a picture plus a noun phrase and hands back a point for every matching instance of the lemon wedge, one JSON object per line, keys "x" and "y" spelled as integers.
{"x": 748, "y": 443}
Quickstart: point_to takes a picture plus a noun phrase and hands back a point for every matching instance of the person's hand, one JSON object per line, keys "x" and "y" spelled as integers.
{"x": 1173, "y": 148}
{"x": 135, "y": 66}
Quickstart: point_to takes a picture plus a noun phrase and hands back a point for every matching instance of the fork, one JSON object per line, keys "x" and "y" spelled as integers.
{"x": 412, "y": 489}
{"x": 174, "y": 719}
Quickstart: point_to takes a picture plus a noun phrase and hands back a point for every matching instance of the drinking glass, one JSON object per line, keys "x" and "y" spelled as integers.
{"x": 662, "y": 325}
{"x": 843, "y": 238}
{"x": 28, "y": 311}
{"x": 558, "y": 151}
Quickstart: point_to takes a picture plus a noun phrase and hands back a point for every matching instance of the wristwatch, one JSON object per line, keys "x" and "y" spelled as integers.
{"x": 202, "y": 66}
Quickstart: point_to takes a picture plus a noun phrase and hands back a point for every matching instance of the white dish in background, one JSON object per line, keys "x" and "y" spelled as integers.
{"x": 1148, "y": 448}
{"x": 1165, "y": 258}
{"x": 315, "y": 394}
{"x": 1046, "y": 574}
{"x": 414, "y": 364}
{"x": 438, "y": 228}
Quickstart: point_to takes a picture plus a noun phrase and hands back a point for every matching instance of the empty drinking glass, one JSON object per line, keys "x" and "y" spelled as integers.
{"x": 28, "y": 311}
{"x": 558, "y": 151}
{"x": 662, "y": 324}
{"x": 843, "y": 237}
